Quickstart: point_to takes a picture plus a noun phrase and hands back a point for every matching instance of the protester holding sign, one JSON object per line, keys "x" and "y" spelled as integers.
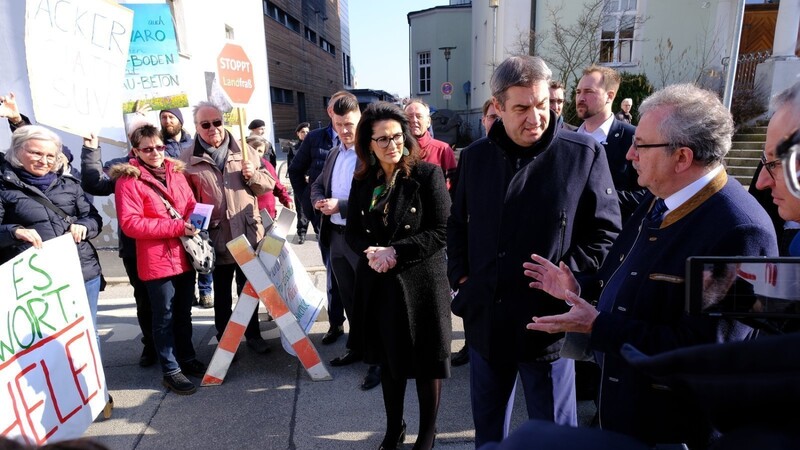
{"x": 221, "y": 175}
{"x": 397, "y": 220}
{"x": 146, "y": 187}
{"x": 38, "y": 202}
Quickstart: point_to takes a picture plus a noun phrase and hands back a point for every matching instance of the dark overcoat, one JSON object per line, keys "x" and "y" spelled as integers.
{"x": 417, "y": 230}
{"x": 556, "y": 199}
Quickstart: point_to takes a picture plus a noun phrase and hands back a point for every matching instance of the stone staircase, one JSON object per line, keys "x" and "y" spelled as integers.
{"x": 745, "y": 153}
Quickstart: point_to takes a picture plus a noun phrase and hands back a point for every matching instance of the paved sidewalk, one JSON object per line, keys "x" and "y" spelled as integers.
{"x": 267, "y": 401}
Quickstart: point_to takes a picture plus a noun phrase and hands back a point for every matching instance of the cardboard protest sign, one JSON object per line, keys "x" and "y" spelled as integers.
{"x": 52, "y": 383}
{"x": 152, "y": 73}
{"x": 76, "y": 53}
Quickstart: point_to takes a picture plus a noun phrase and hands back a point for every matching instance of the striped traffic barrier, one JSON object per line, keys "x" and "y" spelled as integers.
{"x": 261, "y": 287}
{"x": 223, "y": 355}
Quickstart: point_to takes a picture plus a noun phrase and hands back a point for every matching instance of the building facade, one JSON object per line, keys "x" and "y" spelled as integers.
{"x": 308, "y": 45}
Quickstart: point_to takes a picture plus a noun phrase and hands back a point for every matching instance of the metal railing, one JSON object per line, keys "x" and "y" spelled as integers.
{"x": 746, "y": 67}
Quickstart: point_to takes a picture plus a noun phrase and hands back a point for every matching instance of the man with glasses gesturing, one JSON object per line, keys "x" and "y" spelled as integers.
{"x": 219, "y": 175}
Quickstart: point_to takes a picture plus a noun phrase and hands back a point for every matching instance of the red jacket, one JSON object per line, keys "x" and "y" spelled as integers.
{"x": 143, "y": 216}
{"x": 267, "y": 199}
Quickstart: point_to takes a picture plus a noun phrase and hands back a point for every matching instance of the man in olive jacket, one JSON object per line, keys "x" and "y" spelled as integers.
{"x": 528, "y": 187}
{"x": 219, "y": 176}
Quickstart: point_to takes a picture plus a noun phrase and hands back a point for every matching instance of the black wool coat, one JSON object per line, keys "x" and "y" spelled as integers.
{"x": 417, "y": 225}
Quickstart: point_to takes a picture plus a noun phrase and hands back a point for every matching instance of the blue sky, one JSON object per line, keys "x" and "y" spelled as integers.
{"x": 379, "y": 42}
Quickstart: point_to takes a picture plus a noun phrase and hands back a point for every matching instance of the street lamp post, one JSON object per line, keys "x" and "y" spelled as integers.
{"x": 447, "y": 69}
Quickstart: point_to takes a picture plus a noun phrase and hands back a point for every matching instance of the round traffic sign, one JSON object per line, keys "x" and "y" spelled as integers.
{"x": 235, "y": 73}
{"x": 447, "y": 88}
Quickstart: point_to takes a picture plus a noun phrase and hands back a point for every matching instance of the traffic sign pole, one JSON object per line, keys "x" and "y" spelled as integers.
{"x": 242, "y": 120}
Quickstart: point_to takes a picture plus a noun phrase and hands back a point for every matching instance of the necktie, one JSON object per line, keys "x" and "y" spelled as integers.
{"x": 656, "y": 213}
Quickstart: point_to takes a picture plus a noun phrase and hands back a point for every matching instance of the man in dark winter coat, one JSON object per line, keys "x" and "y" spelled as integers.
{"x": 527, "y": 187}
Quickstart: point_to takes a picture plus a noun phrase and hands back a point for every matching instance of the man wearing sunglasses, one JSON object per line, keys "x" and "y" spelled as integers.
{"x": 778, "y": 175}
{"x": 220, "y": 176}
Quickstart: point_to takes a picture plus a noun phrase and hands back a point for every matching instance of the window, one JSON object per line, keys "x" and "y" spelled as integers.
{"x": 280, "y": 16}
{"x": 424, "y": 63}
{"x": 283, "y": 96}
{"x": 347, "y": 74}
{"x": 616, "y": 34}
{"x": 311, "y": 35}
{"x": 327, "y": 46}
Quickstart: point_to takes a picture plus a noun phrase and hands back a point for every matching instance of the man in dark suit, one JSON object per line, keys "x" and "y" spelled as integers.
{"x": 329, "y": 194}
{"x": 529, "y": 186}
{"x": 593, "y": 99}
{"x": 693, "y": 209}
{"x": 306, "y": 166}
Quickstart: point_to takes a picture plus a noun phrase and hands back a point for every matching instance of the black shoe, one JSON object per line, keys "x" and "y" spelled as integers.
{"x": 460, "y": 357}
{"x": 391, "y": 442}
{"x": 348, "y": 358}
{"x": 193, "y": 368}
{"x": 148, "y": 357}
{"x": 258, "y": 345}
{"x": 332, "y": 335}
{"x": 179, "y": 384}
{"x": 372, "y": 378}
{"x": 301, "y": 239}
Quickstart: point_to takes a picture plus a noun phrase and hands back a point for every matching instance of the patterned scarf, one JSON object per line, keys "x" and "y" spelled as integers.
{"x": 381, "y": 194}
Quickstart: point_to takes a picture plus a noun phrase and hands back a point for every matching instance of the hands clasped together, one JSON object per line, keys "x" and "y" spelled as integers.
{"x": 381, "y": 259}
{"x": 559, "y": 282}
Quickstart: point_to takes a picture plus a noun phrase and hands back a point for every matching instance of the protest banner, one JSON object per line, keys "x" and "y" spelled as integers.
{"x": 76, "y": 53}
{"x": 52, "y": 383}
{"x": 152, "y": 72}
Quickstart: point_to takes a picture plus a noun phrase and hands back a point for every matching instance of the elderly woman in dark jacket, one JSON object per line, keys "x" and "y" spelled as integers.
{"x": 397, "y": 220}
{"x": 40, "y": 201}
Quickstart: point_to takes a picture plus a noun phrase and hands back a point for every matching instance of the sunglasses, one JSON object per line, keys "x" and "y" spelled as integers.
{"x": 206, "y": 125}
{"x": 148, "y": 150}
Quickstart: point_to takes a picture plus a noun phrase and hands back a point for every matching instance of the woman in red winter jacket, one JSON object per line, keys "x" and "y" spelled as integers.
{"x": 162, "y": 262}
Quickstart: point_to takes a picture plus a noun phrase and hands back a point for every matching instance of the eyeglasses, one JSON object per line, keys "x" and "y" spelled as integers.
{"x": 206, "y": 125}
{"x": 636, "y": 146}
{"x": 37, "y": 156}
{"x": 383, "y": 141}
{"x": 770, "y": 165}
{"x": 491, "y": 117}
{"x": 148, "y": 150}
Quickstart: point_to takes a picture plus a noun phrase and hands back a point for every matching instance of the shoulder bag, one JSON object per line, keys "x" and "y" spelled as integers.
{"x": 198, "y": 247}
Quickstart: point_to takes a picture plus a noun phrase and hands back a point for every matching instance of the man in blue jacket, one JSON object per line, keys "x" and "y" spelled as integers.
{"x": 693, "y": 209}
{"x": 529, "y": 186}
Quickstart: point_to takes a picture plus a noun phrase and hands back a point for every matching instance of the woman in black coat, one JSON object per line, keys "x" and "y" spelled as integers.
{"x": 33, "y": 169}
{"x": 397, "y": 220}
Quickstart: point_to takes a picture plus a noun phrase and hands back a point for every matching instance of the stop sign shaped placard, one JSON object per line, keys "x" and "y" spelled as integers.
{"x": 235, "y": 74}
